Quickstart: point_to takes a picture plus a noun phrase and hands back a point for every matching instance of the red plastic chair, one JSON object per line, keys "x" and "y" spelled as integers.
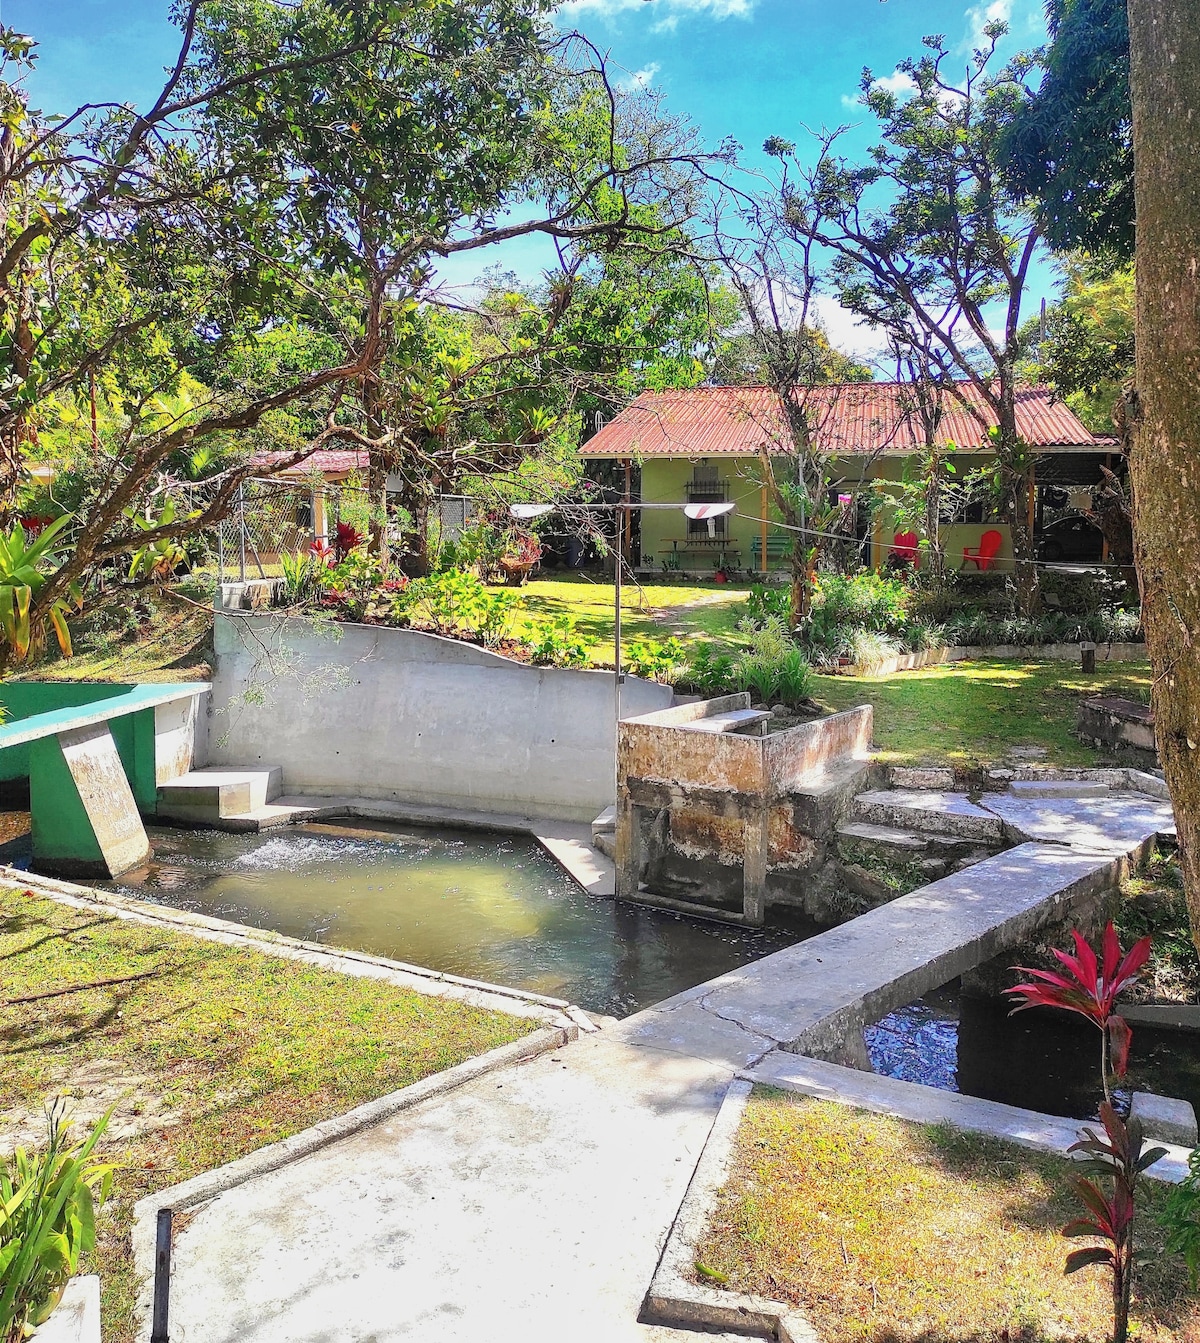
{"x": 905, "y": 547}
{"x": 989, "y": 547}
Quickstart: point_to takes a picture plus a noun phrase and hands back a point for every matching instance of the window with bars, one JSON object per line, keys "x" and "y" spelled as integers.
{"x": 706, "y": 487}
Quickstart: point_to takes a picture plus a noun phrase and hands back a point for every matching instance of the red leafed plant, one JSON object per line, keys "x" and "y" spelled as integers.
{"x": 322, "y": 553}
{"x": 1117, "y": 1155}
{"x": 1090, "y": 988}
{"x": 346, "y": 539}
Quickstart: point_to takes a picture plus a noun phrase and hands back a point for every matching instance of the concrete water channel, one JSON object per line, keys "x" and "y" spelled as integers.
{"x": 533, "y": 1202}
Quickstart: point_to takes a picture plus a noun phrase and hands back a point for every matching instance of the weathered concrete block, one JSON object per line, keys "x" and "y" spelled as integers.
{"x": 1165, "y": 1118}
{"x": 906, "y": 776}
{"x": 1117, "y": 723}
{"x": 76, "y": 1318}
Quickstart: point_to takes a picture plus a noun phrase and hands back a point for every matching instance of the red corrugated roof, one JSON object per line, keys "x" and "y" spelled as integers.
{"x": 849, "y": 418}
{"x": 326, "y": 461}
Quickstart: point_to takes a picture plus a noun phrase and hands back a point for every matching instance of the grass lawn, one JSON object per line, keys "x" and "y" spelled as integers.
{"x": 212, "y": 1052}
{"x": 975, "y": 712}
{"x": 648, "y": 610}
{"x": 890, "y": 1232}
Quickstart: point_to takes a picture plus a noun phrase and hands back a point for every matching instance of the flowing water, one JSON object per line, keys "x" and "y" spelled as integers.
{"x": 487, "y": 906}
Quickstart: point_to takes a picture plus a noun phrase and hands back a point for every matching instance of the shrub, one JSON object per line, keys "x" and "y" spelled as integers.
{"x": 556, "y": 645}
{"x": 868, "y": 649}
{"x": 655, "y": 659}
{"x": 772, "y": 667}
{"x": 1181, "y": 1219}
{"x": 47, "y": 1221}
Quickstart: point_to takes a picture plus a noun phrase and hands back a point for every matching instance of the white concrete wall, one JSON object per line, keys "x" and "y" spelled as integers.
{"x": 179, "y": 738}
{"x": 363, "y": 711}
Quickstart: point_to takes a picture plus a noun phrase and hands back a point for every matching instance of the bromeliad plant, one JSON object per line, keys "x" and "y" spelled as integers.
{"x": 1090, "y": 988}
{"x": 25, "y": 565}
{"x": 48, "y": 1205}
{"x": 1117, "y": 1156}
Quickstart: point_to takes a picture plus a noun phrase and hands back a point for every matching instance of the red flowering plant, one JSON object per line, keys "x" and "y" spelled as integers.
{"x": 1090, "y": 988}
{"x": 322, "y": 552}
{"x": 346, "y": 539}
{"x": 1118, "y": 1154}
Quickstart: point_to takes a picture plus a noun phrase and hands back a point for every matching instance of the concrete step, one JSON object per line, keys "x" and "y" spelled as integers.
{"x": 883, "y": 839}
{"x": 210, "y": 795}
{"x": 1058, "y": 788}
{"x": 605, "y": 823}
{"x": 949, "y": 814}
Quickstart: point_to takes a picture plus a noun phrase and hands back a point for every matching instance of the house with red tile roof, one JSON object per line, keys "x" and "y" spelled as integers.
{"x": 704, "y": 444}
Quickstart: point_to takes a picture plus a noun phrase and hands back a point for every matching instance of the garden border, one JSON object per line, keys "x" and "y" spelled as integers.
{"x": 936, "y": 657}
{"x": 554, "y": 1012}
{"x": 675, "y": 1299}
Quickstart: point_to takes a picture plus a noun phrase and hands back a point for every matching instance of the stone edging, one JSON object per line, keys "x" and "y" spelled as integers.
{"x": 555, "y": 1012}
{"x": 933, "y": 657}
{"x": 205, "y": 1187}
{"x": 673, "y": 1298}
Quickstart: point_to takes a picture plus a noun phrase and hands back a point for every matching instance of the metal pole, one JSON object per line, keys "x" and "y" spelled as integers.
{"x": 162, "y": 1278}
{"x": 617, "y": 673}
{"x": 242, "y": 532}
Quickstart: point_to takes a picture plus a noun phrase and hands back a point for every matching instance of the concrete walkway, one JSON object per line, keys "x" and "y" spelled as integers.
{"x": 533, "y": 1204}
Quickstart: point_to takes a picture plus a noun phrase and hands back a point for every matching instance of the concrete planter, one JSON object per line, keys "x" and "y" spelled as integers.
{"x": 367, "y": 711}
{"x": 76, "y": 1318}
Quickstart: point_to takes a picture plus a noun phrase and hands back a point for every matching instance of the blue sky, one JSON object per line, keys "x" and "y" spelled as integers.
{"x": 746, "y": 68}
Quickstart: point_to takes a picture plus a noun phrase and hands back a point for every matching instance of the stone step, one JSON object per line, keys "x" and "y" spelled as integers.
{"x": 884, "y": 839}
{"x": 949, "y": 814}
{"x": 1058, "y": 788}
{"x": 205, "y": 796}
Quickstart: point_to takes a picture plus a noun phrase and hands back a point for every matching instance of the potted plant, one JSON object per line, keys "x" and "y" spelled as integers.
{"x": 521, "y": 553}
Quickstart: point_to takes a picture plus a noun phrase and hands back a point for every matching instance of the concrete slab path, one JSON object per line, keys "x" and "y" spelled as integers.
{"x": 533, "y": 1204}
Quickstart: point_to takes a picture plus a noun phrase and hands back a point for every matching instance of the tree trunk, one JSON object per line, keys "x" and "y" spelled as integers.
{"x": 1164, "y": 39}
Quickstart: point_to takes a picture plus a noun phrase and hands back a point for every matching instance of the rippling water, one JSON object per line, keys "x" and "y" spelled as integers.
{"x": 487, "y": 906}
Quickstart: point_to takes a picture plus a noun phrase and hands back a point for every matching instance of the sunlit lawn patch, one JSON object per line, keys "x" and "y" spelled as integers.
{"x": 213, "y": 1050}
{"x": 975, "y": 712}
{"x": 892, "y": 1232}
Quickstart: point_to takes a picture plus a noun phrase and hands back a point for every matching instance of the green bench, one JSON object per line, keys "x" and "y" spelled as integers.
{"x": 779, "y": 547}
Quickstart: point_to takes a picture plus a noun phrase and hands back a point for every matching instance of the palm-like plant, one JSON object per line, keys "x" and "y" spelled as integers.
{"x": 24, "y": 566}
{"x": 1090, "y": 988}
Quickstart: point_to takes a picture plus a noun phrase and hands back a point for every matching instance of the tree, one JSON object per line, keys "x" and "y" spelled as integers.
{"x": 1069, "y": 146}
{"x": 928, "y": 233}
{"x": 300, "y": 169}
{"x": 1165, "y": 464}
{"x": 772, "y": 263}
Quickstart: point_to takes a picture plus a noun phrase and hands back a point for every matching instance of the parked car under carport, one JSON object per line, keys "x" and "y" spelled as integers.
{"x": 1072, "y": 538}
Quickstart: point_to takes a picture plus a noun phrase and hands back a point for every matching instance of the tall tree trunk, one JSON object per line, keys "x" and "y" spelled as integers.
{"x": 1164, "y": 40}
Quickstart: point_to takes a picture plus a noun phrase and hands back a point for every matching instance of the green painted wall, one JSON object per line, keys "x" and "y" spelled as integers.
{"x": 22, "y": 699}
{"x": 61, "y": 827}
{"x": 666, "y": 481}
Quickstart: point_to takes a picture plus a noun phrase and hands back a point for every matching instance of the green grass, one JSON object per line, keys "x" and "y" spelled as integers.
{"x": 972, "y": 713}
{"x": 235, "y": 1048}
{"x": 648, "y": 611}
{"x": 888, "y": 1232}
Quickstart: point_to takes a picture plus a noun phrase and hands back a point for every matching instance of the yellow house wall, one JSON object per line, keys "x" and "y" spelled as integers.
{"x": 666, "y": 481}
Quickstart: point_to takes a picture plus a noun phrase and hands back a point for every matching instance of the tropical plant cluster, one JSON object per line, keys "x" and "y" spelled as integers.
{"x": 866, "y": 618}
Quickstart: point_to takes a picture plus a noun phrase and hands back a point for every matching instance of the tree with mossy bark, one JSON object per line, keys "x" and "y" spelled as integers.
{"x": 1164, "y": 37}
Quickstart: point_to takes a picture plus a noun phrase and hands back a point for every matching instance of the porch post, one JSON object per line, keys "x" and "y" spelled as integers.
{"x": 762, "y": 513}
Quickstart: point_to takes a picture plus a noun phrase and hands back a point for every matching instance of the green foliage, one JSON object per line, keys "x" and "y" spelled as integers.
{"x": 47, "y": 1222}
{"x": 23, "y": 566}
{"x": 770, "y": 667}
{"x": 555, "y": 644}
{"x": 1180, "y": 1218}
{"x": 452, "y": 602}
{"x": 1087, "y": 350}
{"x": 301, "y": 576}
{"x": 158, "y": 559}
{"x": 1070, "y": 147}
{"x": 655, "y": 659}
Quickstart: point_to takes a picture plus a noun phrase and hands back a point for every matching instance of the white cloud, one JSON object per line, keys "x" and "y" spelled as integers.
{"x": 848, "y": 333}
{"x": 638, "y": 79}
{"x": 674, "y": 9}
{"x": 897, "y": 82}
{"x": 979, "y": 16}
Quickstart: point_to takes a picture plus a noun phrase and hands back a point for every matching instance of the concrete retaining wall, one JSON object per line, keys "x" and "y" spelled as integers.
{"x": 932, "y": 657}
{"x": 366, "y": 711}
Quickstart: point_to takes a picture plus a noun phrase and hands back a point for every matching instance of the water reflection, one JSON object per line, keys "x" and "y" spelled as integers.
{"x": 1040, "y": 1060}
{"x": 491, "y": 907}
